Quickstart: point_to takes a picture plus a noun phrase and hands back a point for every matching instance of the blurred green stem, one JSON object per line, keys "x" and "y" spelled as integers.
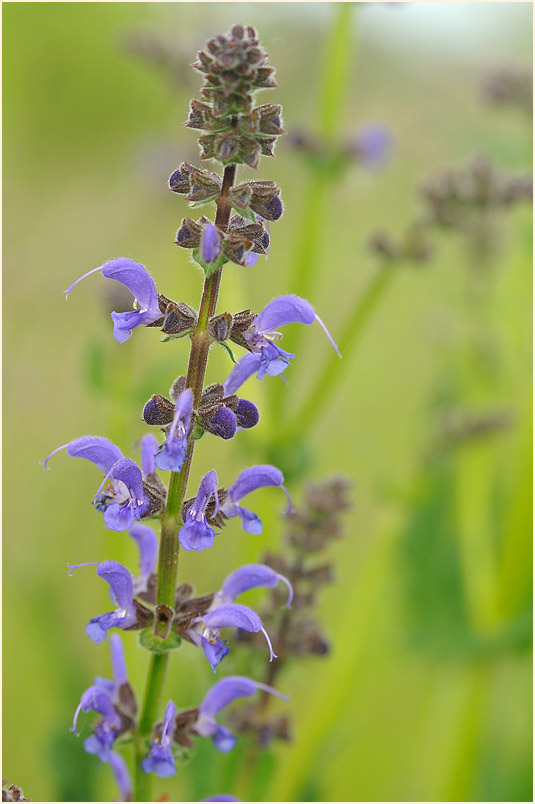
{"x": 334, "y": 369}
{"x": 307, "y": 258}
{"x": 169, "y": 544}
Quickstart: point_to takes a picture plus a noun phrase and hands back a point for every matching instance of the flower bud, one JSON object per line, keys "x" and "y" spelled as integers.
{"x": 219, "y": 327}
{"x": 158, "y": 411}
{"x": 179, "y": 318}
{"x": 247, "y": 415}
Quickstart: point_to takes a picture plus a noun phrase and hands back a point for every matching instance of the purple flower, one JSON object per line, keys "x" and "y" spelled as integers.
{"x": 221, "y": 797}
{"x": 265, "y": 356}
{"x": 249, "y": 480}
{"x": 250, "y": 576}
{"x": 172, "y": 454}
{"x": 196, "y": 533}
{"x": 160, "y": 758}
{"x": 205, "y": 631}
{"x": 148, "y": 445}
{"x": 123, "y": 500}
{"x": 122, "y": 589}
{"x": 140, "y": 284}
{"x": 100, "y": 697}
{"x": 372, "y": 145}
{"x": 122, "y": 775}
{"x": 147, "y": 542}
{"x": 222, "y": 694}
{"x": 210, "y": 244}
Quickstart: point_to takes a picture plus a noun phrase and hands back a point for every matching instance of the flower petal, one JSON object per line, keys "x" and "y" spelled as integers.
{"x": 119, "y": 517}
{"x": 147, "y": 542}
{"x": 137, "y": 279}
{"x": 245, "y": 368}
{"x": 122, "y": 775}
{"x": 251, "y": 576}
{"x": 233, "y": 615}
{"x": 148, "y": 448}
{"x": 284, "y": 310}
{"x": 196, "y": 535}
{"x": 253, "y": 478}
{"x": 100, "y": 451}
{"x": 120, "y": 674}
{"x": 120, "y": 582}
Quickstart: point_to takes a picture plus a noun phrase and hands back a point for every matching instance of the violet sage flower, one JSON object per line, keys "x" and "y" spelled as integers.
{"x": 196, "y": 533}
{"x": 205, "y": 630}
{"x": 251, "y": 479}
{"x": 222, "y": 694}
{"x": 140, "y": 284}
{"x": 100, "y": 697}
{"x": 160, "y": 758}
{"x": 172, "y": 453}
{"x": 265, "y": 357}
{"x": 250, "y": 576}
{"x": 122, "y": 589}
{"x": 221, "y": 797}
{"x": 124, "y": 499}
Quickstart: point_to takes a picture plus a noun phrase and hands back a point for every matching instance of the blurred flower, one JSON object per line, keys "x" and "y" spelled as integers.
{"x": 122, "y": 775}
{"x": 222, "y": 694}
{"x": 101, "y": 698}
{"x": 160, "y": 758}
{"x": 140, "y": 284}
{"x": 372, "y": 145}
{"x": 147, "y": 542}
{"x": 265, "y": 357}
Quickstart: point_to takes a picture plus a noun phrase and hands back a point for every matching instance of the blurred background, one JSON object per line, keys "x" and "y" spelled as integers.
{"x": 423, "y": 277}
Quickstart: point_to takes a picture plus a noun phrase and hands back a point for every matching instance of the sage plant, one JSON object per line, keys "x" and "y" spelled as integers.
{"x": 233, "y": 131}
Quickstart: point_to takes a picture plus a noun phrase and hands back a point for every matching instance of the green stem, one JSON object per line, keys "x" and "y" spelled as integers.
{"x": 335, "y": 368}
{"x": 338, "y": 56}
{"x": 336, "y": 74}
{"x": 153, "y": 689}
{"x": 171, "y": 519}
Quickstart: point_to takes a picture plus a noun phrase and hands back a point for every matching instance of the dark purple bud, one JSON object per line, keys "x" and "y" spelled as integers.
{"x": 220, "y": 326}
{"x": 178, "y": 182}
{"x": 223, "y": 424}
{"x": 247, "y": 415}
{"x": 158, "y": 411}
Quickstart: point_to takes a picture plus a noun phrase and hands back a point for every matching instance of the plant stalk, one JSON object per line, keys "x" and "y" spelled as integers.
{"x": 171, "y": 519}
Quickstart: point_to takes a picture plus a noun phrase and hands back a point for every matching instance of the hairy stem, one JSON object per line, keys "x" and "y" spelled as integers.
{"x": 171, "y": 520}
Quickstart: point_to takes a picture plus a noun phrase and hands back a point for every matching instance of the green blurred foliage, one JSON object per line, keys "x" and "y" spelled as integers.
{"x": 426, "y": 695}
